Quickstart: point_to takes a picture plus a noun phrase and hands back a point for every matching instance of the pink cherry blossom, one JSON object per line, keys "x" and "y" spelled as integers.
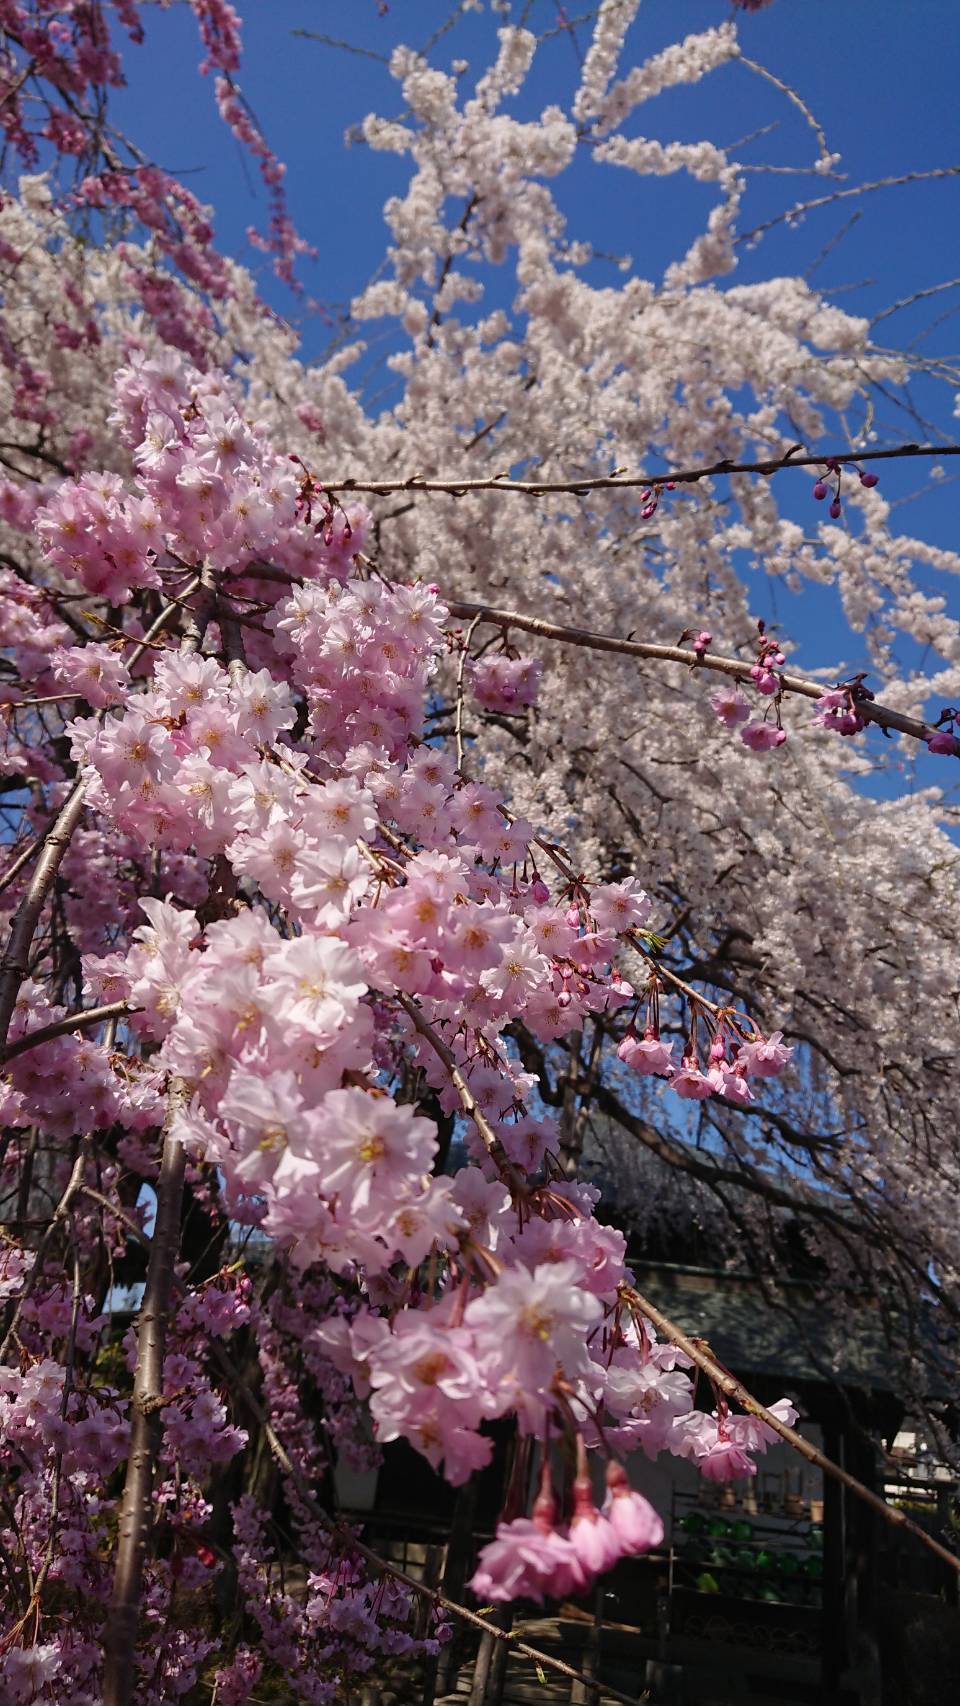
{"x": 762, "y": 737}
{"x": 731, "y": 706}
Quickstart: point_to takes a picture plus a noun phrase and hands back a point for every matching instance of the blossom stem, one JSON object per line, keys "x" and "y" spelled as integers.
{"x": 468, "y": 1101}
{"x": 458, "y": 712}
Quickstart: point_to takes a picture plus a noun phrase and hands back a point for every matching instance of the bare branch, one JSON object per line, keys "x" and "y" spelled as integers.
{"x": 455, "y": 487}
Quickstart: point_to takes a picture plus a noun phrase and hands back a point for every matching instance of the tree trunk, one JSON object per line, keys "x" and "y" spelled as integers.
{"x": 146, "y": 1432}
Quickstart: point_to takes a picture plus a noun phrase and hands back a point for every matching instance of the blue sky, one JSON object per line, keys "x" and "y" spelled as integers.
{"x": 879, "y": 74}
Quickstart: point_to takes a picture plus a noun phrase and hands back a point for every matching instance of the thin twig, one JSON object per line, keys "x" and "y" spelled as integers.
{"x": 797, "y": 100}
{"x": 458, "y": 712}
{"x": 918, "y": 296}
{"x": 468, "y": 1101}
{"x": 73, "y": 1187}
{"x": 801, "y": 208}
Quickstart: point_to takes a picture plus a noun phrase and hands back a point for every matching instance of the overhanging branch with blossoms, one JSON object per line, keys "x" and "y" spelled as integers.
{"x": 340, "y": 934}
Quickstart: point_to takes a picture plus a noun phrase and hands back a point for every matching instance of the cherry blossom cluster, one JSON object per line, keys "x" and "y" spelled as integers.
{"x": 737, "y": 1053}
{"x": 505, "y": 684}
{"x": 365, "y": 872}
{"x": 359, "y": 992}
{"x": 733, "y": 708}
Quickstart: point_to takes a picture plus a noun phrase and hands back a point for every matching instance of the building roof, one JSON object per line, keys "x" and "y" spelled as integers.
{"x": 751, "y": 1332}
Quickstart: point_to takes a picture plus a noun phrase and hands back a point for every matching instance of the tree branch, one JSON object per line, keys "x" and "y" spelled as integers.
{"x": 456, "y": 488}
{"x": 62, "y": 1027}
{"x": 732, "y": 1388}
{"x": 739, "y": 669}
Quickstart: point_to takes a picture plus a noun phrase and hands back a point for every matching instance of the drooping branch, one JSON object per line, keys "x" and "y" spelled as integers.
{"x": 733, "y": 1389}
{"x": 349, "y": 1540}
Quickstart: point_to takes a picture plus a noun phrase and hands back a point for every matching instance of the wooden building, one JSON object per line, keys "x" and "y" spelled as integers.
{"x": 783, "y": 1589}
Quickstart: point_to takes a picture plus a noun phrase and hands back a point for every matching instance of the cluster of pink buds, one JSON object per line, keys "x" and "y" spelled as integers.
{"x": 839, "y": 709}
{"x": 769, "y": 659}
{"x": 944, "y": 738}
{"x": 726, "y": 1075}
{"x": 342, "y": 529}
{"x": 834, "y": 472}
{"x": 532, "y": 1556}
{"x": 650, "y": 498}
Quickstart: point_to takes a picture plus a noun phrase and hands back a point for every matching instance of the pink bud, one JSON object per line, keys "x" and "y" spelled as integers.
{"x": 634, "y": 1520}
{"x": 572, "y": 915}
{"x": 943, "y": 741}
{"x": 869, "y": 480}
{"x": 836, "y": 509}
{"x": 764, "y": 679}
{"x": 819, "y": 491}
{"x": 539, "y": 891}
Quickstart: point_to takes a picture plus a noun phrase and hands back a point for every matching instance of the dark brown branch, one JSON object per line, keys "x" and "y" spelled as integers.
{"x": 455, "y": 487}
{"x": 136, "y": 1513}
{"x": 684, "y": 1160}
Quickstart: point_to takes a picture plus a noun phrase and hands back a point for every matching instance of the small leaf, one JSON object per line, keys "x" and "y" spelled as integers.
{"x": 541, "y": 1675}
